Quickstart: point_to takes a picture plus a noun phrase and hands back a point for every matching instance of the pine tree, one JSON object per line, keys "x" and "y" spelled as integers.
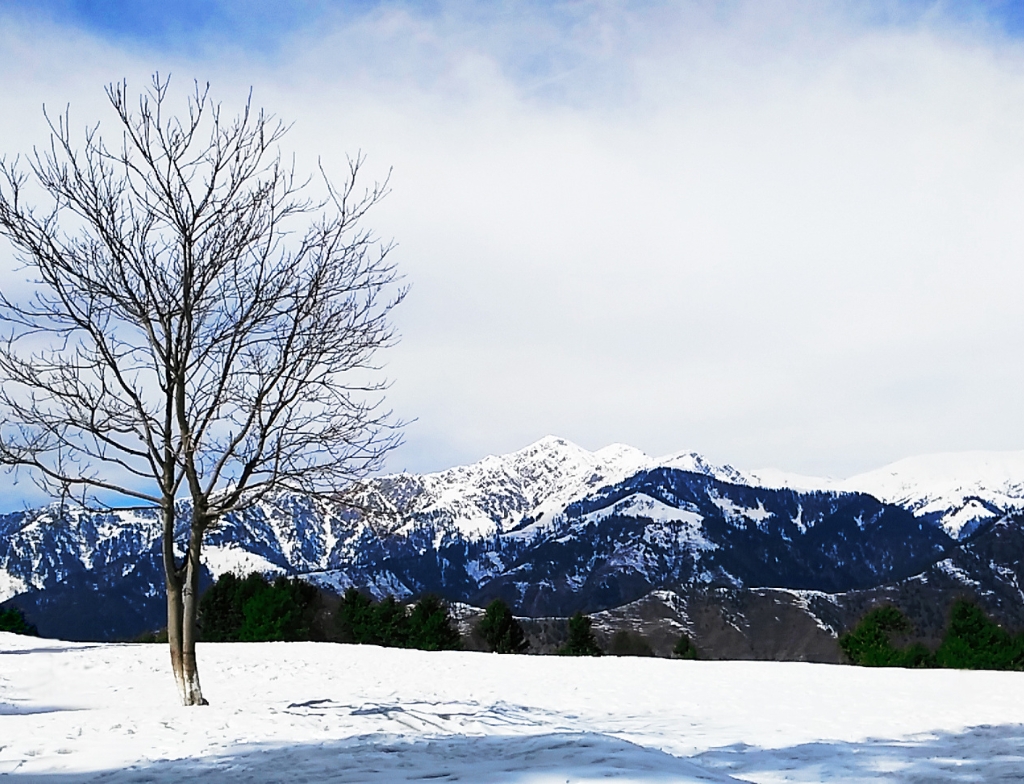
{"x": 282, "y": 611}
{"x": 431, "y": 627}
{"x": 870, "y": 642}
{"x": 13, "y": 620}
{"x": 501, "y": 631}
{"x": 684, "y": 649}
{"x": 581, "y": 640}
{"x": 254, "y": 610}
{"x": 973, "y": 641}
{"x": 392, "y": 623}
{"x": 221, "y": 608}
{"x": 356, "y": 621}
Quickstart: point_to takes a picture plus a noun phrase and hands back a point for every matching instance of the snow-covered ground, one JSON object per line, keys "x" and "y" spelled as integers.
{"x": 291, "y": 712}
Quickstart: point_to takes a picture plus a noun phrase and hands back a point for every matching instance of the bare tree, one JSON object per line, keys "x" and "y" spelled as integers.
{"x": 202, "y": 329}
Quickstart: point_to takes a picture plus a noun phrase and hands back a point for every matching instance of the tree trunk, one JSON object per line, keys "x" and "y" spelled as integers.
{"x": 174, "y": 608}
{"x": 193, "y": 693}
{"x": 172, "y": 583}
{"x": 182, "y": 608}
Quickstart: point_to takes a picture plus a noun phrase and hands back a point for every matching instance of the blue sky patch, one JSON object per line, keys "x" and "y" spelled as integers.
{"x": 184, "y": 25}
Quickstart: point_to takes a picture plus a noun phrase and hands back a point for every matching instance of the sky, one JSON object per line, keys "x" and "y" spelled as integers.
{"x": 779, "y": 233}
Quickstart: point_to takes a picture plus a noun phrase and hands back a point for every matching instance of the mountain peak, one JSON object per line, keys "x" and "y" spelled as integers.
{"x": 550, "y": 443}
{"x": 627, "y": 457}
{"x": 696, "y": 463}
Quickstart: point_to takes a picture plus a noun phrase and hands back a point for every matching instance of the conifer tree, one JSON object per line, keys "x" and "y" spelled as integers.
{"x": 282, "y": 611}
{"x": 430, "y": 626}
{"x": 581, "y": 640}
{"x": 253, "y": 610}
{"x": 392, "y": 623}
{"x": 973, "y": 641}
{"x": 13, "y": 620}
{"x": 355, "y": 619}
{"x": 221, "y": 613}
{"x": 684, "y": 648}
{"x": 501, "y": 631}
{"x": 870, "y": 642}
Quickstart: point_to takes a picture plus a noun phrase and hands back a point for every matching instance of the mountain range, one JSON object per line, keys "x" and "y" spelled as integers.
{"x": 660, "y": 545}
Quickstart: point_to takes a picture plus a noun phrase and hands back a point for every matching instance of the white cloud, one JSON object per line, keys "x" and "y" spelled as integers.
{"x": 777, "y": 235}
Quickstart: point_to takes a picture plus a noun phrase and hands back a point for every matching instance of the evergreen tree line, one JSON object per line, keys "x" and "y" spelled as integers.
{"x": 252, "y": 609}
{"x": 427, "y": 625}
{"x": 971, "y": 641}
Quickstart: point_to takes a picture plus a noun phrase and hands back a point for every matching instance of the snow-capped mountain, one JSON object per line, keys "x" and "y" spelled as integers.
{"x": 551, "y": 528}
{"x": 955, "y": 490}
{"x": 499, "y": 492}
{"x": 664, "y": 528}
{"x": 494, "y": 494}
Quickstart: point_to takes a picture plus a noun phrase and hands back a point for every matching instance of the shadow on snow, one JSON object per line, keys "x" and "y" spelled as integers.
{"x": 987, "y": 753}
{"x": 553, "y": 757}
{"x": 980, "y": 754}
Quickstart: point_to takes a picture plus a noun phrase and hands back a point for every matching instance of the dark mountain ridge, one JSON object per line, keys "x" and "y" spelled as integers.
{"x": 84, "y": 575}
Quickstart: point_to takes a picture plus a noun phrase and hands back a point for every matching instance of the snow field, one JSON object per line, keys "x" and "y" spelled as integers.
{"x": 324, "y": 712}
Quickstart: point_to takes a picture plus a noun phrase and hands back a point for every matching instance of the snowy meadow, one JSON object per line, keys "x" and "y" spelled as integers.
{"x": 296, "y": 712}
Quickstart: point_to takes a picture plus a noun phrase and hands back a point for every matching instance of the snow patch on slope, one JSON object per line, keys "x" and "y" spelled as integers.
{"x": 954, "y": 571}
{"x": 223, "y": 559}
{"x": 11, "y": 585}
{"x": 737, "y": 515}
{"x": 642, "y": 505}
